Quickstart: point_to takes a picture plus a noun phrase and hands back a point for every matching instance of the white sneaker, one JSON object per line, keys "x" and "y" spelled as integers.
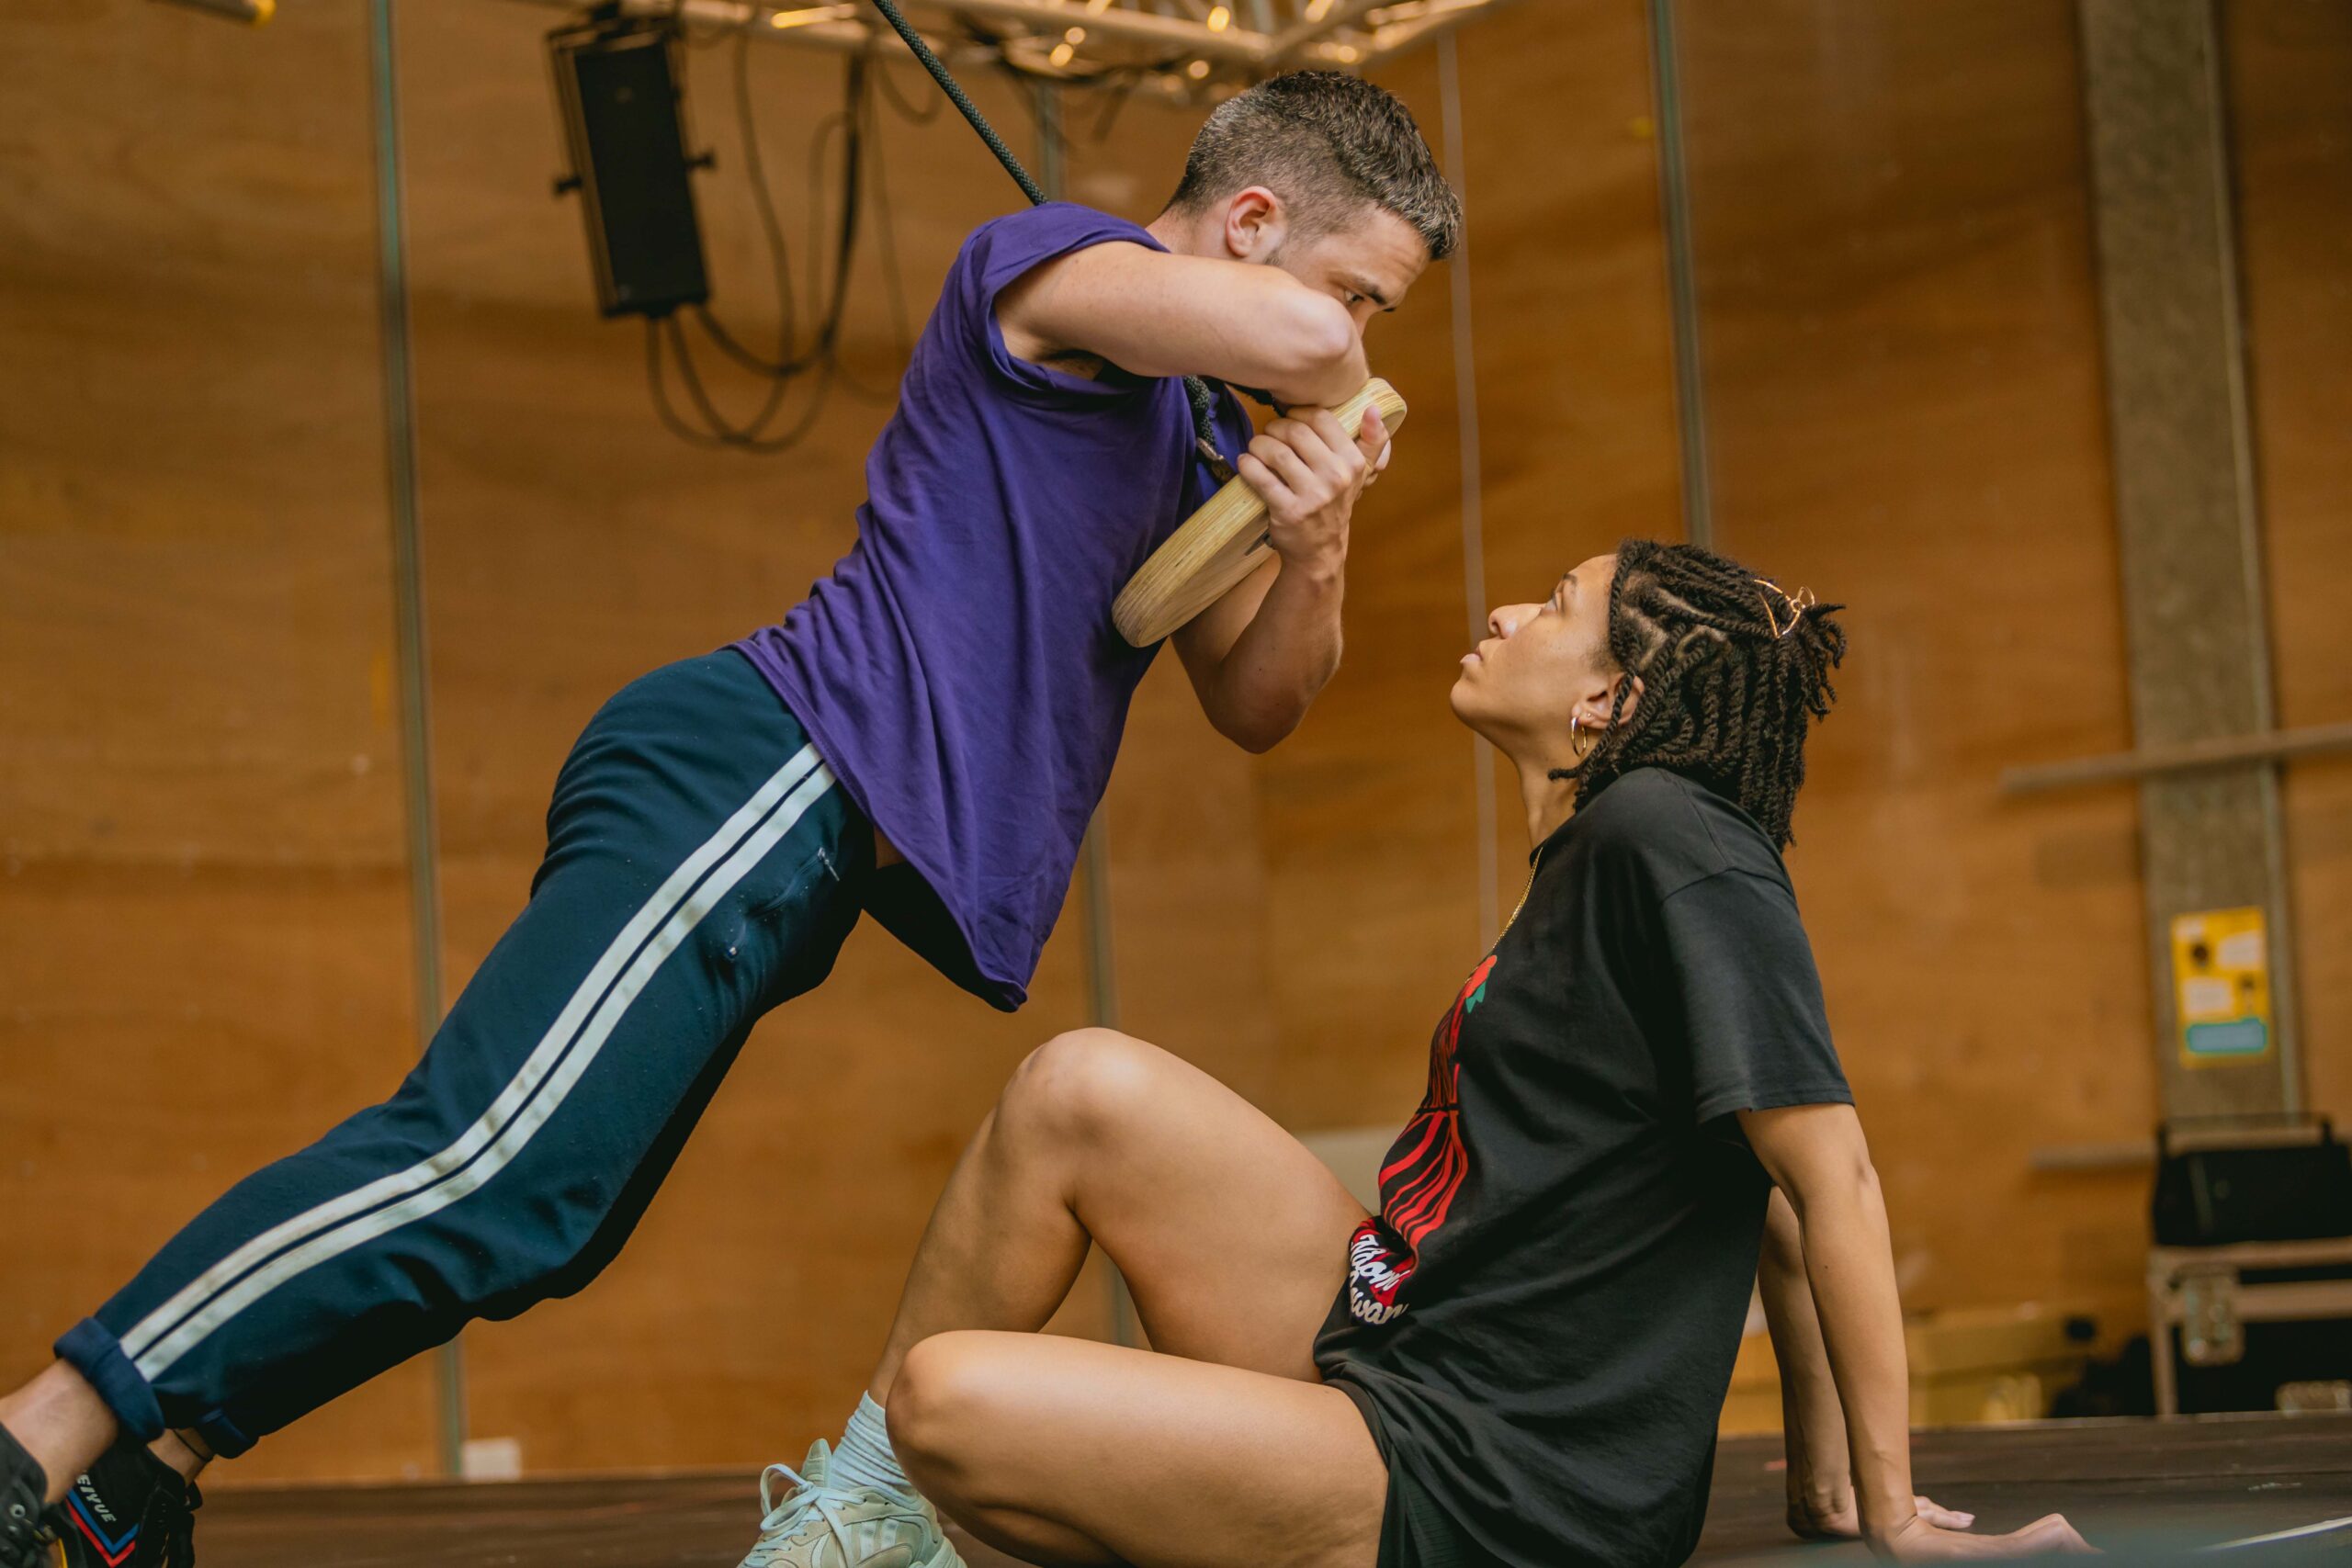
{"x": 819, "y": 1525}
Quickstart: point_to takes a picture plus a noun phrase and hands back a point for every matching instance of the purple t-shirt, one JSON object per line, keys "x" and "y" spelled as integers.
{"x": 958, "y": 669}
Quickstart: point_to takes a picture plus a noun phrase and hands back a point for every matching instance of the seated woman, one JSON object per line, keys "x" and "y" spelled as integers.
{"x": 1523, "y": 1357}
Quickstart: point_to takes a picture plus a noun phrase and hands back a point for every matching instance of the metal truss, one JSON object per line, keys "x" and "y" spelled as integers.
{"x": 1192, "y": 50}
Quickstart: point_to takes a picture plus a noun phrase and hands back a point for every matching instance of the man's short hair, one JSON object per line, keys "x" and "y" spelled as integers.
{"x": 1326, "y": 143}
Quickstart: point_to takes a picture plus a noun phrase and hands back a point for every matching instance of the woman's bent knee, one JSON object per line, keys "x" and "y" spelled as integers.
{"x": 1083, "y": 1086}
{"x": 942, "y": 1403}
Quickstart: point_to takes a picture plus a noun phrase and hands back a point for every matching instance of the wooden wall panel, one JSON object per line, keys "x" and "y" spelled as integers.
{"x": 1903, "y": 395}
{"x": 2290, "y": 90}
{"x": 203, "y": 910}
{"x": 1572, "y": 323}
{"x": 195, "y": 666}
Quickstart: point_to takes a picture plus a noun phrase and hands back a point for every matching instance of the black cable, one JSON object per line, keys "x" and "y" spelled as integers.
{"x": 856, "y": 122}
{"x": 886, "y": 229}
{"x": 852, "y": 126}
{"x": 779, "y": 255}
{"x": 786, "y": 363}
{"x": 1196, "y": 390}
{"x": 747, "y": 438}
{"x": 907, "y": 110}
{"x": 718, "y": 425}
{"x": 885, "y": 224}
{"x": 658, "y": 384}
{"x": 751, "y": 435}
{"x": 850, "y": 121}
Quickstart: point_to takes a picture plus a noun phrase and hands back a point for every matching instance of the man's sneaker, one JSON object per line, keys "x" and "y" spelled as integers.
{"x": 24, "y": 1537}
{"x": 128, "y": 1511}
{"x": 819, "y": 1524}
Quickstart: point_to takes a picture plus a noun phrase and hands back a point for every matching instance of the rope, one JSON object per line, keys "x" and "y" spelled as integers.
{"x": 964, "y": 106}
{"x": 1196, "y": 390}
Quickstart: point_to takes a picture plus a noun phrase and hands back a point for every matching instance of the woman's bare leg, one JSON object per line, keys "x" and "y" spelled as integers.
{"x": 1067, "y": 1452}
{"x": 1231, "y": 1235}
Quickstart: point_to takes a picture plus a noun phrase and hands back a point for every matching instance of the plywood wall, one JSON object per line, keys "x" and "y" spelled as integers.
{"x": 202, "y": 891}
{"x": 203, "y": 911}
{"x": 1571, "y": 328}
{"x": 2290, "y": 90}
{"x": 1903, "y": 396}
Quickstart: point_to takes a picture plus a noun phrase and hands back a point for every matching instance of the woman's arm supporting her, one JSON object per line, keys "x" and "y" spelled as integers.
{"x": 1817, "y": 1155}
{"x": 1821, "y": 1481}
{"x": 1820, "y": 1474}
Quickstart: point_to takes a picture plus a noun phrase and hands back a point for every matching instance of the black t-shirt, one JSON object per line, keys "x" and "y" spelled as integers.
{"x": 1542, "y": 1321}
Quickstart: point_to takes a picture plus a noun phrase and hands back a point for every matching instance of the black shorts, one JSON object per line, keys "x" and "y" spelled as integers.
{"x": 1415, "y": 1532}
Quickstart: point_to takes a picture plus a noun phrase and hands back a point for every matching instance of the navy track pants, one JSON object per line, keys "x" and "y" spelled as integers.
{"x": 702, "y": 866}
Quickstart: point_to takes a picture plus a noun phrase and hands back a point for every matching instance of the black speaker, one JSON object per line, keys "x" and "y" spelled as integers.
{"x": 618, "y": 88}
{"x": 2216, "y": 1194}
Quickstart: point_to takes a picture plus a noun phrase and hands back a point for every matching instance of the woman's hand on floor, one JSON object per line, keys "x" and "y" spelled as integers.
{"x": 1814, "y": 1519}
{"x": 1921, "y": 1541}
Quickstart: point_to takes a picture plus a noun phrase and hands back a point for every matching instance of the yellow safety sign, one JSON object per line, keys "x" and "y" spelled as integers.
{"x": 2220, "y": 975}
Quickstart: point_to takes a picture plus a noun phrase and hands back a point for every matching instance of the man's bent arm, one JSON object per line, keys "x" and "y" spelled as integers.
{"x": 1152, "y": 313}
{"x": 1259, "y": 656}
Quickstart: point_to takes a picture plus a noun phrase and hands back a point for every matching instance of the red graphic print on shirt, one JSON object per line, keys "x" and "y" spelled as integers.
{"x": 1424, "y": 1170}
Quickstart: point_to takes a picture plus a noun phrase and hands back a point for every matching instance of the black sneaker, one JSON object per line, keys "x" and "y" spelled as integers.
{"x": 25, "y": 1538}
{"x": 128, "y": 1511}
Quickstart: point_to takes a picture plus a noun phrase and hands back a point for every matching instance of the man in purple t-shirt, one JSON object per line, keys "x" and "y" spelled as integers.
{"x": 922, "y": 739}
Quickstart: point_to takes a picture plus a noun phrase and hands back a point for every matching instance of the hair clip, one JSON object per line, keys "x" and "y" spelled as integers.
{"x": 1797, "y": 602}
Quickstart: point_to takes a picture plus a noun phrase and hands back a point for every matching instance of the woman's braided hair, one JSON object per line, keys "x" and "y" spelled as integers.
{"x": 1732, "y": 672}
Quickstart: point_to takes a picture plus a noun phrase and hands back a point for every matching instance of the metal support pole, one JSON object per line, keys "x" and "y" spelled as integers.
{"x": 1094, "y": 854}
{"x": 408, "y": 599}
{"x": 1473, "y": 537}
{"x": 1682, "y": 277}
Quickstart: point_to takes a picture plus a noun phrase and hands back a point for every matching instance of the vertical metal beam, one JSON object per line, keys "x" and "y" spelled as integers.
{"x": 1682, "y": 277}
{"x": 1474, "y": 537}
{"x": 2185, "y": 505}
{"x": 408, "y": 599}
{"x": 1094, "y": 853}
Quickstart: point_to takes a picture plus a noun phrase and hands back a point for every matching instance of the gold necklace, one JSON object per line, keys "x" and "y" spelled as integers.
{"x": 1531, "y": 871}
{"x": 1523, "y": 892}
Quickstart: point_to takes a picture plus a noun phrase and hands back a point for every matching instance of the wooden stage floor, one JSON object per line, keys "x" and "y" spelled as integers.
{"x": 2128, "y": 1485}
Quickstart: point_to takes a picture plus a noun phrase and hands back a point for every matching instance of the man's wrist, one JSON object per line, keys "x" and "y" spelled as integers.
{"x": 1324, "y": 570}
